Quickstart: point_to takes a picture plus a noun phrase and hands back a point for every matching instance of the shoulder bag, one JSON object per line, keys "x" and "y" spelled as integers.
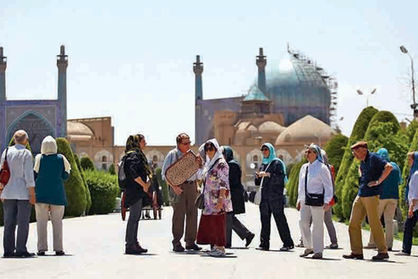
{"x": 5, "y": 171}
{"x": 312, "y": 199}
{"x": 257, "y": 197}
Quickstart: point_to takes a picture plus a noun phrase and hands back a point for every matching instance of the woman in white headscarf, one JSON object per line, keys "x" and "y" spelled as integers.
{"x": 51, "y": 170}
{"x": 217, "y": 199}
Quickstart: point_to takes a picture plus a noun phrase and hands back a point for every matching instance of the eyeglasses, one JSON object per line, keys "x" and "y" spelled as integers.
{"x": 309, "y": 152}
{"x": 264, "y": 149}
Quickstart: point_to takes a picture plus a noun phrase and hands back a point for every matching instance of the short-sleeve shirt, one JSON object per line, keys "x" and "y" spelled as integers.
{"x": 371, "y": 169}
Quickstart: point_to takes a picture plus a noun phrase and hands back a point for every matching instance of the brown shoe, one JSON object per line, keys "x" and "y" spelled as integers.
{"x": 353, "y": 256}
{"x": 380, "y": 257}
{"x": 306, "y": 253}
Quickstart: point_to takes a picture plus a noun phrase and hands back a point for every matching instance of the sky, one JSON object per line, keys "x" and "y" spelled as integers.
{"x": 132, "y": 60}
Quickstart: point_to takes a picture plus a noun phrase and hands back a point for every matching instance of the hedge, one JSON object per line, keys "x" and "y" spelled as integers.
{"x": 103, "y": 190}
{"x": 293, "y": 184}
{"x": 359, "y": 129}
{"x": 88, "y": 197}
{"x": 382, "y": 129}
{"x": 402, "y": 203}
{"x": 163, "y": 185}
{"x": 74, "y": 187}
{"x": 86, "y": 163}
{"x": 335, "y": 150}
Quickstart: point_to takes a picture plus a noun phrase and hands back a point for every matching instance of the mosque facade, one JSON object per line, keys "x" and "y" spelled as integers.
{"x": 38, "y": 117}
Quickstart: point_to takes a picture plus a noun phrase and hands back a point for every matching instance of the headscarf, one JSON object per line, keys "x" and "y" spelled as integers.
{"x": 318, "y": 152}
{"x": 272, "y": 157}
{"x": 49, "y": 147}
{"x": 229, "y": 154}
{"x": 133, "y": 145}
{"x": 218, "y": 155}
{"x": 383, "y": 152}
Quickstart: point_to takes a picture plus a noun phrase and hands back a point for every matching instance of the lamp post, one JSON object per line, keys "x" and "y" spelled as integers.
{"x": 367, "y": 96}
{"x": 414, "y": 105}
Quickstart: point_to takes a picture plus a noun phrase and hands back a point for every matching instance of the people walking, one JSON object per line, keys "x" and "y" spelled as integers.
{"x": 17, "y": 196}
{"x": 51, "y": 169}
{"x": 271, "y": 177}
{"x": 238, "y": 203}
{"x": 138, "y": 175}
{"x": 388, "y": 200}
{"x": 183, "y": 198}
{"x": 373, "y": 171}
{"x": 412, "y": 217}
{"x": 315, "y": 192}
{"x": 217, "y": 200}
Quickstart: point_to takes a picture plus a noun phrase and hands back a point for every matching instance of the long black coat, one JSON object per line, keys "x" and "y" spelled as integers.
{"x": 237, "y": 190}
{"x": 273, "y": 186}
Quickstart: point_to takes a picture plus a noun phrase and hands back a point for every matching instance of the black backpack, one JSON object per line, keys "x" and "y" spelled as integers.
{"x": 122, "y": 179}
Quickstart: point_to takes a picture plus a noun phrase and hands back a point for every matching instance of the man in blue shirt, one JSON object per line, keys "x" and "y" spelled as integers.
{"x": 373, "y": 171}
{"x": 388, "y": 199}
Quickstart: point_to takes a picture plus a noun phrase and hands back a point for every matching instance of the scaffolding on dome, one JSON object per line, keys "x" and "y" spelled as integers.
{"x": 311, "y": 71}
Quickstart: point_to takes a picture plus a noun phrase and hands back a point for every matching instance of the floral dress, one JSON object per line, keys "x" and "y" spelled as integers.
{"x": 216, "y": 179}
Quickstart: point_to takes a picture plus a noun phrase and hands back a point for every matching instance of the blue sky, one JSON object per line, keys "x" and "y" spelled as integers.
{"x": 132, "y": 60}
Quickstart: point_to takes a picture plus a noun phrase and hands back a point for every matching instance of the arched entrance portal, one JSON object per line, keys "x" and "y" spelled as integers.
{"x": 35, "y": 125}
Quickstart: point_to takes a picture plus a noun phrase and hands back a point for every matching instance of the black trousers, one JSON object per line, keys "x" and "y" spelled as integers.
{"x": 275, "y": 207}
{"x": 232, "y": 223}
{"x": 409, "y": 232}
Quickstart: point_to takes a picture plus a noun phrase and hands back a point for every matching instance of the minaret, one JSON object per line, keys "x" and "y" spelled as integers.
{"x": 198, "y": 70}
{"x": 3, "y": 66}
{"x": 62, "y": 64}
{"x": 261, "y": 64}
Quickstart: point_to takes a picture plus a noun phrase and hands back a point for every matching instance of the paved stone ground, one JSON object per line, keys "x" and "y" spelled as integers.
{"x": 95, "y": 248}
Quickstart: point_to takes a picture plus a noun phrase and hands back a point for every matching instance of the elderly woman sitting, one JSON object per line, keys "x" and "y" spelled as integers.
{"x": 51, "y": 169}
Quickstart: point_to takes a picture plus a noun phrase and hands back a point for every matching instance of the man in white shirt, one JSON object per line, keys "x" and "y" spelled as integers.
{"x": 17, "y": 196}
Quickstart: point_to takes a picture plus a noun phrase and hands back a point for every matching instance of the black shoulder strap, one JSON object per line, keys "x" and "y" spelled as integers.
{"x": 5, "y": 156}
{"x": 306, "y": 181}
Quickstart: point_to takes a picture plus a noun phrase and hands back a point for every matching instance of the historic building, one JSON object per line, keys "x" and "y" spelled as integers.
{"x": 39, "y": 118}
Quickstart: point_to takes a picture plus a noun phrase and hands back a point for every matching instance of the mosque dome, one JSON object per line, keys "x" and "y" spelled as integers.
{"x": 244, "y": 133}
{"x": 78, "y": 131}
{"x": 298, "y": 87}
{"x": 270, "y": 127}
{"x": 305, "y": 131}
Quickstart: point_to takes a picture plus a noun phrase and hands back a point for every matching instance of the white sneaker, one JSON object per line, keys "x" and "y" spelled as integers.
{"x": 216, "y": 253}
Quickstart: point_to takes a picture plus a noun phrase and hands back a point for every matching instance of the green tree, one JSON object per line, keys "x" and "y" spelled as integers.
{"x": 293, "y": 184}
{"x": 86, "y": 163}
{"x": 402, "y": 203}
{"x": 335, "y": 150}
{"x": 74, "y": 188}
{"x": 88, "y": 197}
{"x": 359, "y": 129}
{"x": 112, "y": 170}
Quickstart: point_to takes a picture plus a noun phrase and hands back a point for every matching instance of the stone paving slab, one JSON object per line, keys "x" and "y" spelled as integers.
{"x": 95, "y": 247}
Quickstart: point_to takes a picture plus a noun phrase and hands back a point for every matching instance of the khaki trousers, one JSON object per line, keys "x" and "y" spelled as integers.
{"x": 184, "y": 207}
{"x": 56, "y": 212}
{"x": 387, "y": 208}
{"x": 363, "y": 206}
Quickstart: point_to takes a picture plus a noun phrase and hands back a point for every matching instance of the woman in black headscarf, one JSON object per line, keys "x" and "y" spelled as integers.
{"x": 137, "y": 172}
{"x": 238, "y": 203}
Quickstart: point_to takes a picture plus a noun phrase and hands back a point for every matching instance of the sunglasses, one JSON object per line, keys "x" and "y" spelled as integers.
{"x": 186, "y": 143}
{"x": 309, "y": 152}
{"x": 264, "y": 149}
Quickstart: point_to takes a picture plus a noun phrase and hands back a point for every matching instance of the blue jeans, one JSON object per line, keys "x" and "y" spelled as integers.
{"x": 408, "y": 232}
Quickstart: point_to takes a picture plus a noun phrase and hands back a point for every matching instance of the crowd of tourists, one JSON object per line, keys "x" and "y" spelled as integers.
{"x": 220, "y": 196}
